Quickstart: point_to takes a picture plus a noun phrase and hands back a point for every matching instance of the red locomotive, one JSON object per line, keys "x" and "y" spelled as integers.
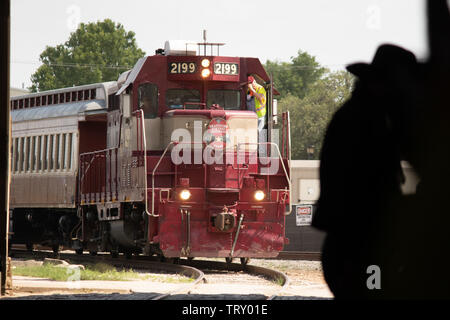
{"x": 167, "y": 160}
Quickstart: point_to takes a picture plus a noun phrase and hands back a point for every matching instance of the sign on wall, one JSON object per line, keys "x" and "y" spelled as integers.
{"x": 303, "y": 215}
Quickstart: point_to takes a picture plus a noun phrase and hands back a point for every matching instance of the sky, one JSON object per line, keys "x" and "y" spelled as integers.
{"x": 337, "y": 33}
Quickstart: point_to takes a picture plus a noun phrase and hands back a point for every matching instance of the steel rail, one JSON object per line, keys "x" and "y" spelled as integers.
{"x": 188, "y": 268}
{"x": 299, "y": 255}
{"x": 274, "y": 275}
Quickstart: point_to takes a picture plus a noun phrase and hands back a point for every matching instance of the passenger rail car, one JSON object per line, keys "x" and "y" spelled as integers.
{"x": 166, "y": 160}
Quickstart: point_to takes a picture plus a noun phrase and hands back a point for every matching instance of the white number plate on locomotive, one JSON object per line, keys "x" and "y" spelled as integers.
{"x": 226, "y": 68}
{"x": 182, "y": 67}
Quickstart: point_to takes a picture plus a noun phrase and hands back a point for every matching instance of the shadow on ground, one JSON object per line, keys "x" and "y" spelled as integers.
{"x": 150, "y": 296}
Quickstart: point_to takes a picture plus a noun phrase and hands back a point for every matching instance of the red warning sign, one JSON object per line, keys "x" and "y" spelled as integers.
{"x": 303, "y": 215}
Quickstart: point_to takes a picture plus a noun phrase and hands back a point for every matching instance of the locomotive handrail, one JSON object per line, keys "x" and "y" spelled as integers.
{"x": 94, "y": 155}
{"x": 82, "y": 174}
{"x": 288, "y": 178}
{"x": 153, "y": 181}
{"x": 144, "y": 141}
{"x": 92, "y": 159}
{"x": 288, "y": 124}
{"x": 98, "y": 151}
{"x": 156, "y": 167}
{"x": 88, "y": 166}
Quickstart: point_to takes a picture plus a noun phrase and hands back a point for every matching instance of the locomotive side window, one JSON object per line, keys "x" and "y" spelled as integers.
{"x": 178, "y": 98}
{"x": 227, "y": 99}
{"x": 148, "y": 100}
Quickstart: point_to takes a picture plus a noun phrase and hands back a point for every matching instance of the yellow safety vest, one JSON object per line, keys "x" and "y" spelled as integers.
{"x": 260, "y": 107}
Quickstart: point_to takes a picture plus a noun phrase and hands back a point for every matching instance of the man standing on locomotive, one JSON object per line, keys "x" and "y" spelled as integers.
{"x": 259, "y": 94}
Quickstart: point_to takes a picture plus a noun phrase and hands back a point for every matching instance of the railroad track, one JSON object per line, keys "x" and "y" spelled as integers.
{"x": 189, "y": 268}
{"x": 274, "y": 275}
{"x": 299, "y": 255}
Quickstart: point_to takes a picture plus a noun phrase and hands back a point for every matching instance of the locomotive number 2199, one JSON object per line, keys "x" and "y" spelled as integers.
{"x": 182, "y": 67}
{"x": 226, "y": 68}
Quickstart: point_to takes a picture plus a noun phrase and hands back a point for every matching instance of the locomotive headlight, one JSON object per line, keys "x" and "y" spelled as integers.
{"x": 206, "y": 73}
{"x": 185, "y": 195}
{"x": 259, "y": 195}
{"x": 206, "y": 63}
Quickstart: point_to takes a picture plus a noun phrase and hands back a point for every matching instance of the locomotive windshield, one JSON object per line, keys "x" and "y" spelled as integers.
{"x": 178, "y": 98}
{"x": 227, "y": 99}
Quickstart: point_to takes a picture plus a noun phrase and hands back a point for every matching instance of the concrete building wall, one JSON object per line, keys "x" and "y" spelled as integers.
{"x": 306, "y": 191}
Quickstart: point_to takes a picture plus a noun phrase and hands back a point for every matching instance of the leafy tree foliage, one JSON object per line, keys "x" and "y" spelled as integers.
{"x": 95, "y": 52}
{"x": 295, "y": 77}
{"x": 311, "y": 113}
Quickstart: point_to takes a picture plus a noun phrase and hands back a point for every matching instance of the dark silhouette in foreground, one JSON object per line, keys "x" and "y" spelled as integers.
{"x": 399, "y": 110}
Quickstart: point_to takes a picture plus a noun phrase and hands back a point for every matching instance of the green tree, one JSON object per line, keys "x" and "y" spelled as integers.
{"x": 311, "y": 114}
{"x": 95, "y": 52}
{"x": 295, "y": 77}
{"x": 340, "y": 84}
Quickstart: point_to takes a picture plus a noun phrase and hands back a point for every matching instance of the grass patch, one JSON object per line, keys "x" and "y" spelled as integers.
{"x": 44, "y": 271}
{"x": 279, "y": 281}
{"x": 98, "y": 271}
{"x": 102, "y": 271}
